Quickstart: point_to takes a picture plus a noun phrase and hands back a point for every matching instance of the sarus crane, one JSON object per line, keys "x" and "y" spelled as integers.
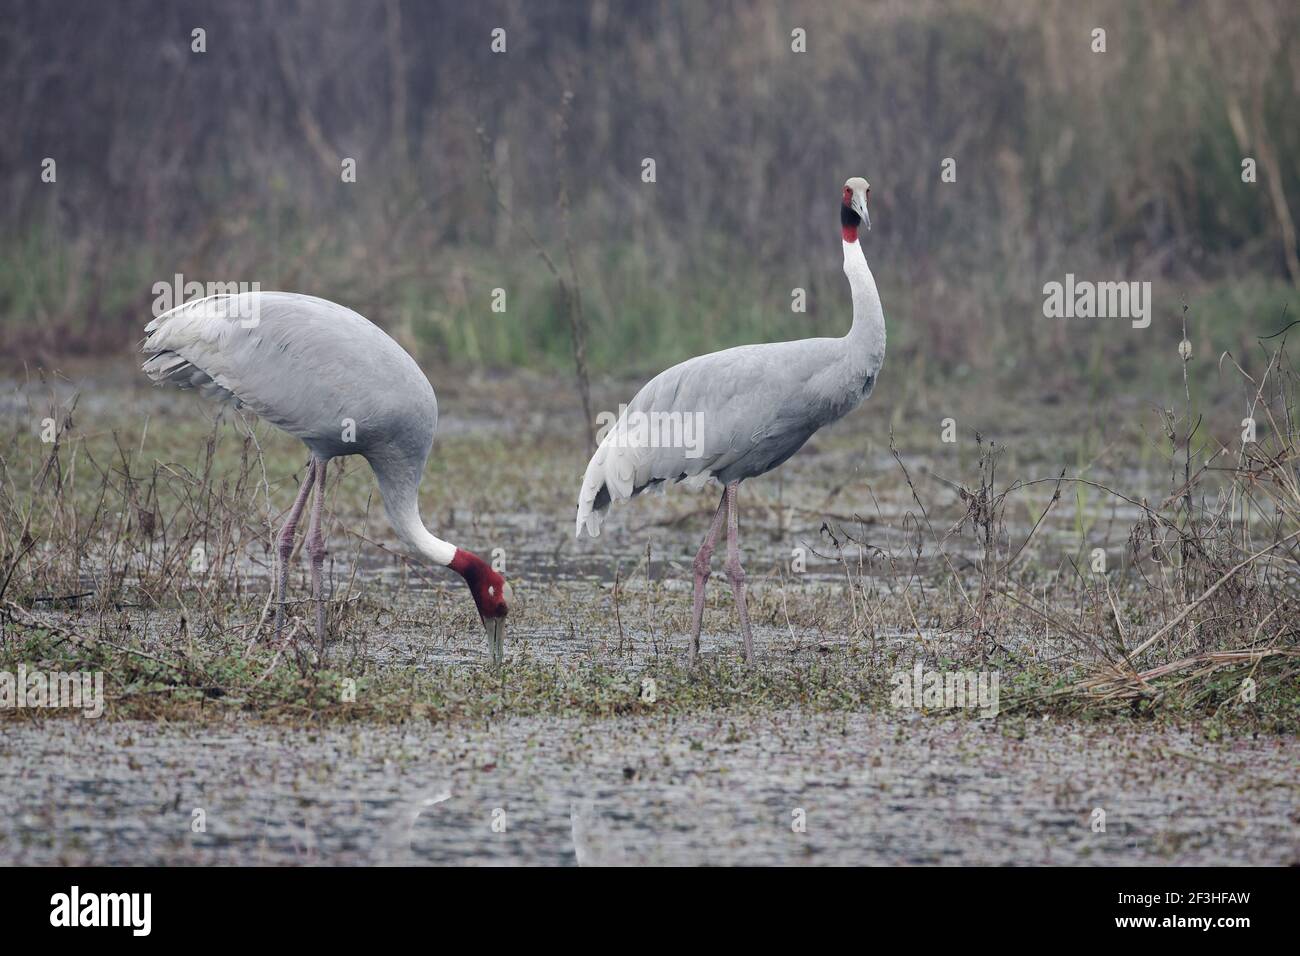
{"x": 341, "y": 385}
{"x": 755, "y": 406}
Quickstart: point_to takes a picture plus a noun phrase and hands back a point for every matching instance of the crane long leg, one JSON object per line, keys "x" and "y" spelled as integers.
{"x": 702, "y": 572}
{"x": 735, "y": 572}
{"x": 316, "y": 549}
{"x": 284, "y": 544}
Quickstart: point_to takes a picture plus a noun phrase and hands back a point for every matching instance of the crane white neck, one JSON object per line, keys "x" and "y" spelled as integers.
{"x": 423, "y": 543}
{"x": 868, "y": 332}
{"x": 400, "y": 488}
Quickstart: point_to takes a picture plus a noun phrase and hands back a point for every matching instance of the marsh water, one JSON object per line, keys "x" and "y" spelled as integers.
{"x": 787, "y": 788}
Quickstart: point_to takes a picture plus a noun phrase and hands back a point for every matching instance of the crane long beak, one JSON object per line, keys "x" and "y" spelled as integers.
{"x": 859, "y": 205}
{"x": 496, "y": 637}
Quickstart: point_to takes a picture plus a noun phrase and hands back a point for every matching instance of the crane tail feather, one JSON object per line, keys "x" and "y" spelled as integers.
{"x": 609, "y": 477}
{"x": 170, "y": 341}
{"x": 168, "y": 368}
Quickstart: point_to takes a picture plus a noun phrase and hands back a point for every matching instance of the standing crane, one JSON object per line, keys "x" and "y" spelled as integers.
{"x": 755, "y": 405}
{"x": 338, "y": 383}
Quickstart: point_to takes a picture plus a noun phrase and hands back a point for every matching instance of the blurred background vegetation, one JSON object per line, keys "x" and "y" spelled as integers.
{"x": 225, "y": 166}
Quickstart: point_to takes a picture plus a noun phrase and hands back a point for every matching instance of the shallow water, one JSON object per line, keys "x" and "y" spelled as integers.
{"x": 868, "y": 790}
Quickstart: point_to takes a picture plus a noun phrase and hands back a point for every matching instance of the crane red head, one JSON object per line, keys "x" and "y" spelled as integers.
{"x": 853, "y": 208}
{"x": 490, "y": 593}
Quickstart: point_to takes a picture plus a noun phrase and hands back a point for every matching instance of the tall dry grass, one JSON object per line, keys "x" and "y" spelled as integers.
{"x": 226, "y": 165}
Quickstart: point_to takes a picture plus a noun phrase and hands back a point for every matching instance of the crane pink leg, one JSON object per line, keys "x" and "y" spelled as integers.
{"x": 316, "y": 549}
{"x": 284, "y": 544}
{"x": 735, "y": 572}
{"x": 702, "y": 572}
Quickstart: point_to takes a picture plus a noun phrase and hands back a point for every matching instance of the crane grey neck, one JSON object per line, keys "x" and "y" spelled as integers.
{"x": 867, "y": 337}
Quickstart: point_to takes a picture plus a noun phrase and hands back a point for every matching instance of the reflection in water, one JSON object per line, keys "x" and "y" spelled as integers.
{"x": 402, "y": 828}
{"x": 592, "y": 845}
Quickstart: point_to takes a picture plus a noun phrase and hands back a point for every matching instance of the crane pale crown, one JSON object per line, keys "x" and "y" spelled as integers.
{"x": 853, "y": 208}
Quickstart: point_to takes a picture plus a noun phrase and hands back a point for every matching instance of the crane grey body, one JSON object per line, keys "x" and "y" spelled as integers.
{"x": 331, "y": 378}
{"x": 797, "y": 386}
{"x": 205, "y": 344}
{"x": 756, "y": 405}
